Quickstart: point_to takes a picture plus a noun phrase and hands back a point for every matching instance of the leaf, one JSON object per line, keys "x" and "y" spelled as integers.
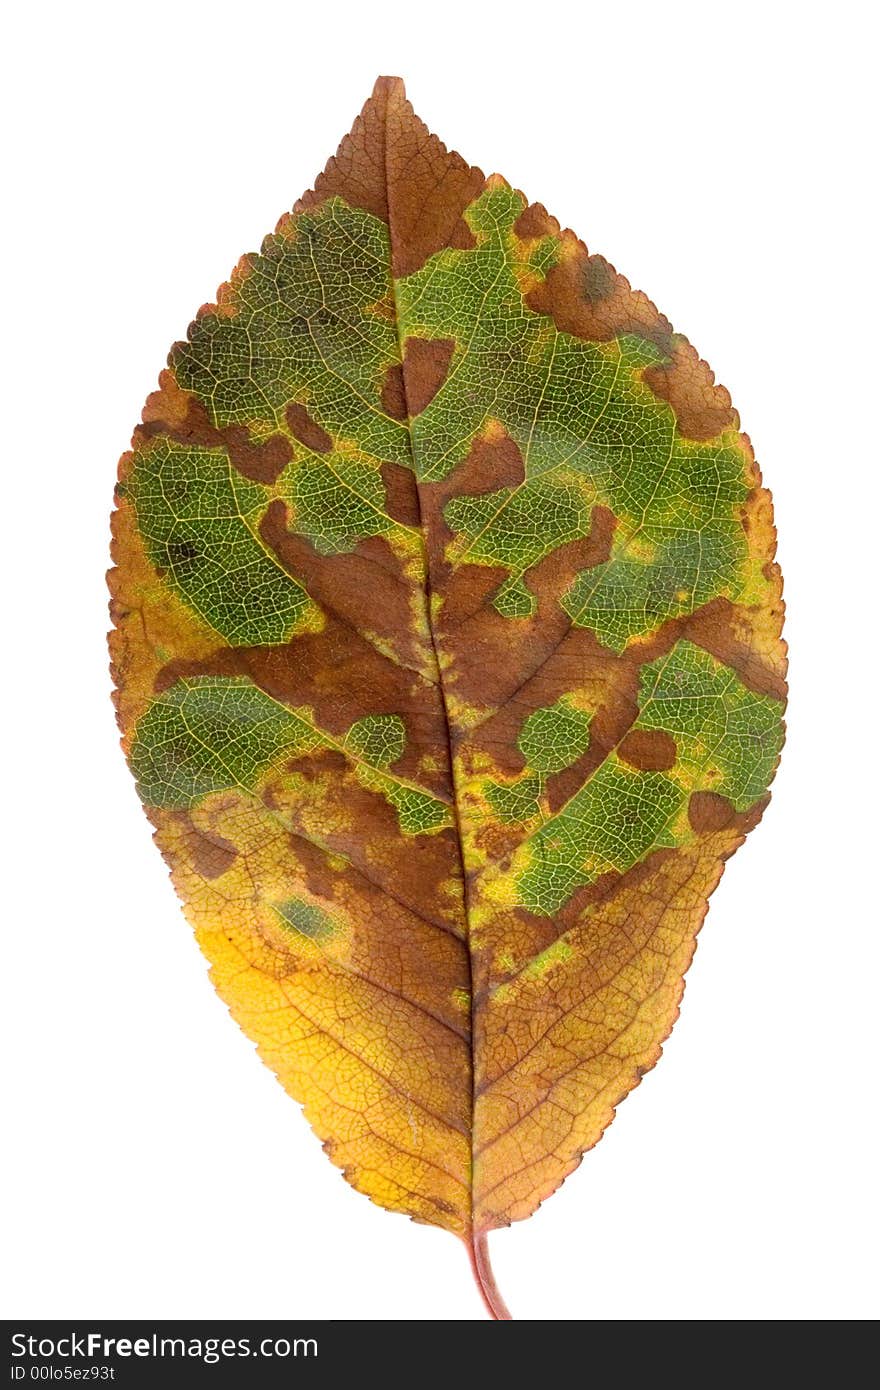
{"x": 449, "y": 667}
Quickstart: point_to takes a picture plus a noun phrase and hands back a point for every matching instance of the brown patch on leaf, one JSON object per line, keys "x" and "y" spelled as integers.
{"x": 181, "y": 416}
{"x": 316, "y": 763}
{"x": 493, "y": 462}
{"x": 616, "y": 712}
{"x": 517, "y": 935}
{"x": 708, "y": 812}
{"x": 356, "y": 173}
{"x": 506, "y": 941}
{"x": 492, "y": 657}
{"x": 421, "y": 873}
{"x": 429, "y": 188}
{"x": 339, "y": 675}
{"x": 687, "y": 383}
{"x": 599, "y": 279}
{"x": 392, "y": 166}
{"x": 410, "y": 948}
{"x": 210, "y": 853}
{"x": 466, "y": 595}
{"x": 553, "y": 575}
{"x": 366, "y": 588}
{"x": 401, "y": 494}
{"x": 584, "y": 295}
{"x": 535, "y": 221}
{"x": 342, "y": 672}
{"x": 728, "y": 632}
{"x": 539, "y": 678}
{"x": 616, "y": 683}
{"x": 744, "y": 821}
{"x": 169, "y": 406}
{"x": 425, "y": 365}
{"x": 562, "y": 785}
{"x": 725, "y": 631}
{"x": 262, "y": 462}
{"x": 307, "y": 430}
{"x": 417, "y": 868}
{"x": 648, "y": 750}
{"x": 498, "y": 841}
{"x": 722, "y": 630}
{"x": 393, "y": 395}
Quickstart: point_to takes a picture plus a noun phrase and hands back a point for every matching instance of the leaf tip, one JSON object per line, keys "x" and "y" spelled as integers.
{"x": 386, "y": 88}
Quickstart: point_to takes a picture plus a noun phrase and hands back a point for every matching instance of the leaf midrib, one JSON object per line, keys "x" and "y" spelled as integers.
{"x": 441, "y": 687}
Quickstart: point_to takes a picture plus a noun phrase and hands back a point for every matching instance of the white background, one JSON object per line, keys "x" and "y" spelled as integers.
{"x": 721, "y": 155}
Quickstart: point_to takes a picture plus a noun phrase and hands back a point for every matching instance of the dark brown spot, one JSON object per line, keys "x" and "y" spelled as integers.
{"x": 401, "y": 494}
{"x": 425, "y": 365}
{"x": 178, "y": 553}
{"x": 307, "y": 430}
{"x": 649, "y": 750}
{"x": 263, "y": 462}
{"x": 707, "y": 811}
{"x": 687, "y": 384}
{"x": 494, "y": 462}
{"x": 393, "y": 396}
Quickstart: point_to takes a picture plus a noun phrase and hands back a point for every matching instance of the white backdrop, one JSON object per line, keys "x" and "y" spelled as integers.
{"x": 721, "y": 156}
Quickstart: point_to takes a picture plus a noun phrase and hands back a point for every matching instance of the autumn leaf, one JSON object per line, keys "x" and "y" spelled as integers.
{"x": 448, "y": 664}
